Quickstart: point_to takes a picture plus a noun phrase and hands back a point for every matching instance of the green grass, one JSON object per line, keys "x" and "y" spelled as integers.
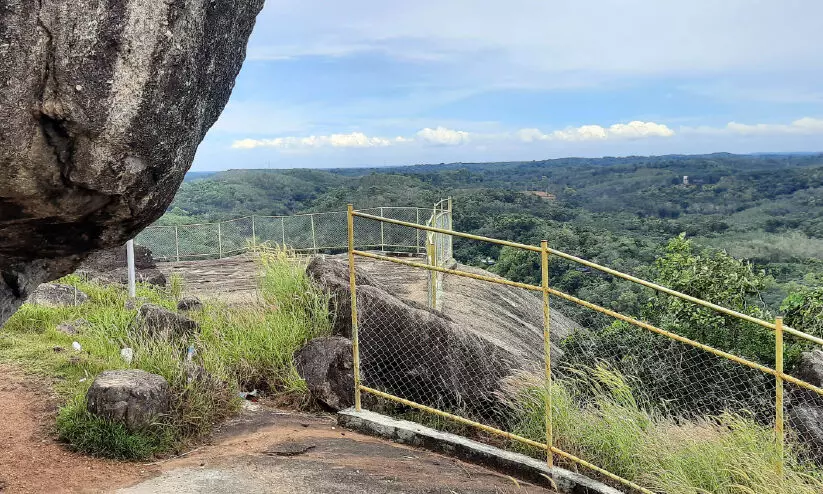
{"x": 236, "y": 348}
{"x": 725, "y": 454}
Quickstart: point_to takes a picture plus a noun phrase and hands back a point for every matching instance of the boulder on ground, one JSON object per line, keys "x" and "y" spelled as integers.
{"x": 158, "y": 322}
{"x": 110, "y": 266}
{"x": 189, "y": 303}
{"x": 810, "y": 367}
{"x": 326, "y": 366}
{"x": 72, "y": 328}
{"x": 57, "y": 295}
{"x": 133, "y": 397}
{"x": 332, "y": 276}
{"x": 102, "y": 109}
{"x": 415, "y": 352}
{"x": 806, "y": 420}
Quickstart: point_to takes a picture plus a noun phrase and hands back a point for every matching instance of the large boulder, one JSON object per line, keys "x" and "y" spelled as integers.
{"x": 157, "y": 322}
{"x": 418, "y": 353}
{"x": 110, "y": 266}
{"x": 332, "y": 276}
{"x": 326, "y": 366}
{"x": 57, "y": 295}
{"x": 133, "y": 397}
{"x": 102, "y": 107}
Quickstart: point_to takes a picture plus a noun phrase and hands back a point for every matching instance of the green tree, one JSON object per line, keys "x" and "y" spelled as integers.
{"x": 719, "y": 278}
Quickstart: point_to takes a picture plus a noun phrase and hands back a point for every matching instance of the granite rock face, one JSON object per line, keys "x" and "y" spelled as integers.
{"x": 102, "y": 107}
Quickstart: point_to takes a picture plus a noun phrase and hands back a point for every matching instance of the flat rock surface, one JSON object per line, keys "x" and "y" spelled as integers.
{"x": 326, "y": 460}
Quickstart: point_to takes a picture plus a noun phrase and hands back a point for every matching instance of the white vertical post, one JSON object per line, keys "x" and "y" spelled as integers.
{"x": 130, "y": 264}
{"x": 283, "y": 229}
{"x": 219, "y": 241}
{"x": 416, "y": 231}
{"x": 313, "y": 236}
{"x": 177, "y": 242}
{"x": 382, "y": 237}
{"x": 253, "y": 235}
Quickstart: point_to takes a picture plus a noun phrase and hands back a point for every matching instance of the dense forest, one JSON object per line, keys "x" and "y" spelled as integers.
{"x": 766, "y": 210}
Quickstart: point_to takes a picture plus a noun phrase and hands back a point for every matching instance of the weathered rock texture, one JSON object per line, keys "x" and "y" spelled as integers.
{"x": 326, "y": 365}
{"x": 110, "y": 266}
{"x": 804, "y": 408}
{"x": 102, "y": 107}
{"x": 444, "y": 359}
{"x": 156, "y": 322}
{"x": 133, "y": 397}
{"x": 57, "y": 295}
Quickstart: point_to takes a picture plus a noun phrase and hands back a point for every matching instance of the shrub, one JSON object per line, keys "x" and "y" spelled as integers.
{"x": 596, "y": 417}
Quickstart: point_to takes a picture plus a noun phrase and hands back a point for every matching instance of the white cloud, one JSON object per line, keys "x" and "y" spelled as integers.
{"x": 802, "y": 126}
{"x": 443, "y": 136}
{"x": 353, "y": 140}
{"x": 631, "y": 130}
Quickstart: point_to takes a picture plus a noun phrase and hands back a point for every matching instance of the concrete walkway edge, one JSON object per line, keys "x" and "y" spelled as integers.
{"x": 509, "y": 463}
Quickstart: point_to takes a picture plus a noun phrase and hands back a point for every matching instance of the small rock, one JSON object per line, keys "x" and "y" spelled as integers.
{"x": 326, "y": 365}
{"x": 135, "y": 303}
{"x": 67, "y": 328}
{"x": 157, "y": 322}
{"x": 289, "y": 448}
{"x": 133, "y": 397}
{"x": 76, "y": 346}
{"x": 58, "y": 349}
{"x": 127, "y": 354}
{"x": 57, "y": 295}
{"x": 189, "y": 303}
{"x": 72, "y": 328}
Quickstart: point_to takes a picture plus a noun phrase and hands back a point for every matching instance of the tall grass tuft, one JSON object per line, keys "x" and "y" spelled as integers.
{"x": 236, "y": 348}
{"x": 596, "y": 417}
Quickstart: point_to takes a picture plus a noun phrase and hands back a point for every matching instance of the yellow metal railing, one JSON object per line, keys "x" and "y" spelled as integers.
{"x": 545, "y": 252}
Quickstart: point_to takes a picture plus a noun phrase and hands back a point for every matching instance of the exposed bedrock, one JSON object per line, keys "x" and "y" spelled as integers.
{"x": 102, "y": 106}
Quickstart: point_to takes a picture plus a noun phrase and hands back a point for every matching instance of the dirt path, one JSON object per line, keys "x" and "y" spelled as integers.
{"x": 31, "y": 461}
{"x": 269, "y": 451}
{"x": 253, "y": 453}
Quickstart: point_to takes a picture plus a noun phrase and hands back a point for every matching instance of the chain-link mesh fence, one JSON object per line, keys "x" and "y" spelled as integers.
{"x": 314, "y": 232}
{"x": 644, "y": 399}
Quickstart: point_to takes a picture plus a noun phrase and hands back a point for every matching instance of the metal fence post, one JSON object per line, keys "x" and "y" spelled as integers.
{"x": 355, "y": 343}
{"x": 382, "y": 237}
{"x": 313, "y": 236}
{"x": 219, "y": 241}
{"x": 417, "y": 232}
{"x": 547, "y": 347}
{"x": 431, "y": 249}
{"x": 177, "y": 243}
{"x": 130, "y": 269}
{"x": 283, "y": 230}
{"x": 778, "y": 395}
{"x": 253, "y": 234}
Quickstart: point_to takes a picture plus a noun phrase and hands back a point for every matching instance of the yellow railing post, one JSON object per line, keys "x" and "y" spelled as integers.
{"x": 778, "y": 392}
{"x": 355, "y": 344}
{"x": 430, "y": 248}
{"x": 547, "y": 347}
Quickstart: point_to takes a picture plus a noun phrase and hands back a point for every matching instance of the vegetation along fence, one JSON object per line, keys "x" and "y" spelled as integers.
{"x": 313, "y": 232}
{"x": 664, "y": 407}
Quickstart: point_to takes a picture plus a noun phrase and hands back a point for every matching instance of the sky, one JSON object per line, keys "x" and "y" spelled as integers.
{"x": 373, "y": 83}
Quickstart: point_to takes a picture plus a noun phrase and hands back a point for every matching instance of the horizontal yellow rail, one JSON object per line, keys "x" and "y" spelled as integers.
{"x": 501, "y": 433}
{"x": 633, "y": 279}
{"x": 456, "y": 418}
{"x": 616, "y": 315}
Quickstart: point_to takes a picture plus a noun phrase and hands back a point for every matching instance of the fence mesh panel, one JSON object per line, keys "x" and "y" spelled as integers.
{"x": 617, "y": 388}
{"x": 314, "y": 232}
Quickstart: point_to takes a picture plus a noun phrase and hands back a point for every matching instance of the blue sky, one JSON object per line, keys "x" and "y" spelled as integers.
{"x": 361, "y": 82}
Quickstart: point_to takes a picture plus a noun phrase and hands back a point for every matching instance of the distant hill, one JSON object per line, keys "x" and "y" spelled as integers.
{"x": 767, "y": 208}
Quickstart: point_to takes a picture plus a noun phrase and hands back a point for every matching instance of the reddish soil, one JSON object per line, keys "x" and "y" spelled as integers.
{"x": 31, "y": 460}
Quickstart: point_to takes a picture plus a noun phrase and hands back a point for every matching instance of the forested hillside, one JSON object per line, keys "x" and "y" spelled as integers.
{"x": 621, "y": 212}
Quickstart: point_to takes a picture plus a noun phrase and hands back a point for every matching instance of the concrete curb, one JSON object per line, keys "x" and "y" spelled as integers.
{"x": 514, "y": 464}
